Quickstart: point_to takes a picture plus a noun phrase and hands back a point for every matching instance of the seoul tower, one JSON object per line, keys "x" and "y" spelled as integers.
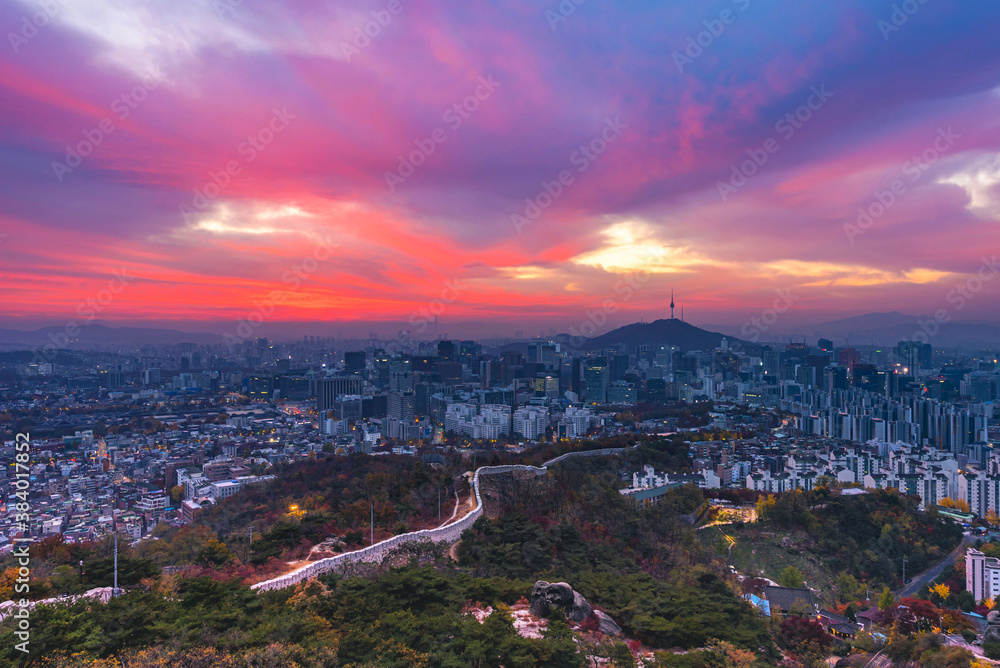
{"x": 671, "y": 304}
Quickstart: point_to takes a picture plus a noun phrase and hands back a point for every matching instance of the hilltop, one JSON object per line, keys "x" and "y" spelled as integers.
{"x": 667, "y": 330}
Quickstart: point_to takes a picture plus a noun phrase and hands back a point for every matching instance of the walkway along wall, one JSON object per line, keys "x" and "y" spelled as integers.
{"x": 446, "y": 534}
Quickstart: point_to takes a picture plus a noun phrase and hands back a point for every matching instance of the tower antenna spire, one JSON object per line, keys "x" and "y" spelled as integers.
{"x": 671, "y": 304}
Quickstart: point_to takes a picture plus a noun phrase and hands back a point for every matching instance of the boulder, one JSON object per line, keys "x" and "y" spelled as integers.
{"x": 992, "y": 634}
{"x": 547, "y": 596}
{"x": 580, "y": 609}
{"x": 606, "y": 625}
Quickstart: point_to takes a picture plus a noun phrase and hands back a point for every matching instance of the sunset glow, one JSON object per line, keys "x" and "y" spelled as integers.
{"x": 208, "y": 153}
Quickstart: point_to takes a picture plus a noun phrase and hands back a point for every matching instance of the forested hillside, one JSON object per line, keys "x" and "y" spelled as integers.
{"x": 842, "y": 544}
{"x": 189, "y": 601}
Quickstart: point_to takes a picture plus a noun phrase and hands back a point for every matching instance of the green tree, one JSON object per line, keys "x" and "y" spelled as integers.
{"x": 215, "y": 553}
{"x": 886, "y": 600}
{"x": 557, "y": 646}
{"x": 791, "y": 577}
{"x": 847, "y": 587}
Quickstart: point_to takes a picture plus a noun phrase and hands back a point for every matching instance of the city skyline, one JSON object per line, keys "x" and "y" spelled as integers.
{"x": 334, "y": 332}
{"x": 512, "y": 164}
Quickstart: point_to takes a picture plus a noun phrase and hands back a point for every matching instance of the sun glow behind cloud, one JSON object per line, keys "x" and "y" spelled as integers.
{"x": 633, "y": 246}
{"x": 828, "y": 274}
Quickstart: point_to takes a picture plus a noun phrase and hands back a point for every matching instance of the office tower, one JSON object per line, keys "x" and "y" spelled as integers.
{"x": 260, "y": 388}
{"x": 468, "y": 351}
{"x": 446, "y": 351}
{"x": 617, "y": 366}
{"x": 354, "y": 361}
{"x": 848, "y": 357}
{"x": 534, "y": 353}
{"x": 868, "y": 377}
{"x": 772, "y": 364}
{"x": 328, "y": 389}
{"x": 400, "y": 381}
{"x": 914, "y": 355}
{"x": 402, "y": 406}
{"x": 511, "y": 366}
{"x": 375, "y": 407}
{"x": 382, "y": 363}
{"x": 450, "y": 372}
{"x": 595, "y": 378}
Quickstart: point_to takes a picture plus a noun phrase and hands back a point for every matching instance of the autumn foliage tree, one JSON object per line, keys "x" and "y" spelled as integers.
{"x": 805, "y": 638}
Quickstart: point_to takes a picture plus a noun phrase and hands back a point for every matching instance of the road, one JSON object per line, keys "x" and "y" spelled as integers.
{"x": 958, "y": 641}
{"x": 934, "y": 571}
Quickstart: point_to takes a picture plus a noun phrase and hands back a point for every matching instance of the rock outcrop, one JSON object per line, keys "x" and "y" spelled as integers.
{"x": 549, "y": 596}
{"x": 606, "y": 625}
{"x": 992, "y": 634}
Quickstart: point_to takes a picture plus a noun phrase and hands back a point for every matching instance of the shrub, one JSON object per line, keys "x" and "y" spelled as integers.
{"x": 991, "y": 650}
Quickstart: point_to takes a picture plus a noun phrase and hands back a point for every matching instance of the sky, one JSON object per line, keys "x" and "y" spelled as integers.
{"x": 532, "y": 164}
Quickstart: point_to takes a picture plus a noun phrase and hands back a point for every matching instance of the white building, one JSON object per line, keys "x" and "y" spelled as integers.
{"x": 191, "y": 482}
{"x": 530, "y": 421}
{"x": 763, "y": 481}
{"x": 489, "y": 421}
{"x": 649, "y": 478}
{"x": 575, "y": 422}
{"x": 224, "y": 489}
{"x": 982, "y": 575}
{"x": 153, "y": 503}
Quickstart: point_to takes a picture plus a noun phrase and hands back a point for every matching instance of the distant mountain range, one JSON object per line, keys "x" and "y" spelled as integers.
{"x": 889, "y": 328}
{"x": 863, "y": 330}
{"x": 882, "y": 329}
{"x": 100, "y": 335}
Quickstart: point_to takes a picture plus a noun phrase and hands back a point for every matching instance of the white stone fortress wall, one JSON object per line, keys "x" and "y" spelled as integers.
{"x": 446, "y": 534}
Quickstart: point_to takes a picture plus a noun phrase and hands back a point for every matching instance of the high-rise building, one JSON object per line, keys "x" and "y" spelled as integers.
{"x": 531, "y": 421}
{"x": 354, "y": 361}
{"x": 848, "y": 357}
{"x": 868, "y": 377}
{"x": 546, "y": 386}
{"x": 260, "y": 388}
{"x": 914, "y": 354}
{"x": 772, "y": 364}
{"x": 450, "y": 372}
{"x": 982, "y": 575}
{"x": 375, "y": 407}
{"x": 617, "y": 366}
{"x": 382, "y": 363}
{"x": 446, "y": 350}
{"x": 511, "y": 366}
{"x": 347, "y": 407}
{"x": 402, "y": 406}
{"x": 400, "y": 381}
{"x": 621, "y": 393}
{"x": 328, "y": 389}
{"x": 595, "y": 379}
{"x": 468, "y": 352}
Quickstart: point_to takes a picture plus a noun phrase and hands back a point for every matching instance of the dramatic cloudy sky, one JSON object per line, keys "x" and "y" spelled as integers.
{"x": 196, "y": 79}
